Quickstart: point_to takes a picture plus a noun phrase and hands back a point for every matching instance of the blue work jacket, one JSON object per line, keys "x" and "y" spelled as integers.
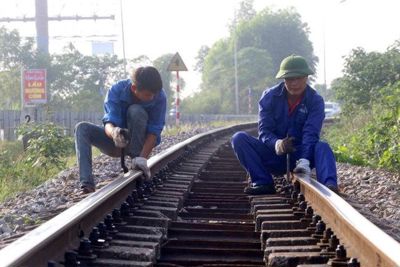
{"x": 120, "y": 97}
{"x": 304, "y": 123}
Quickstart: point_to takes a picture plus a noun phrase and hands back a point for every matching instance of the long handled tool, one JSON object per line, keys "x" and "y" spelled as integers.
{"x": 126, "y": 134}
{"x": 288, "y": 180}
{"x": 123, "y": 161}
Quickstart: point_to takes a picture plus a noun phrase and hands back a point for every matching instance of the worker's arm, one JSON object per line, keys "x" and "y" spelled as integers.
{"x": 148, "y": 145}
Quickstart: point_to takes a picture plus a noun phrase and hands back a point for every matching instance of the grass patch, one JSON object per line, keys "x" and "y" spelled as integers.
{"x": 16, "y": 175}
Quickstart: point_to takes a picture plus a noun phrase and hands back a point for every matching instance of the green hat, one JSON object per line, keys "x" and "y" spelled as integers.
{"x": 293, "y": 66}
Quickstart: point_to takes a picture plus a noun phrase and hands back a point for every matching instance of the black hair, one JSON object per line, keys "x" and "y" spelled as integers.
{"x": 147, "y": 78}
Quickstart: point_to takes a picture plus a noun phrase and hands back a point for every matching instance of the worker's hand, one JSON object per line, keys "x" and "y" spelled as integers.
{"x": 284, "y": 146}
{"x": 120, "y": 137}
{"x": 303, "y": 167}
{"x": 140, "y": 163}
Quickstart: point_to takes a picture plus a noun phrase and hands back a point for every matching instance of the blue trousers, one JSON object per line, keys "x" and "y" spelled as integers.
{"x": 88, "y": 134}
{"x": 261, "y": 162}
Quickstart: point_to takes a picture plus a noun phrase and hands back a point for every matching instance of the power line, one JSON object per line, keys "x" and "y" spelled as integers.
{"x": 41, "y": 18}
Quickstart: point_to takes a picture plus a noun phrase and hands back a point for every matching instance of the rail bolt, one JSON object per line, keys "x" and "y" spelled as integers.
{"x": 85, "y": 252}
{"x": 309, "y": 212}
{"x": 109, "y": 222}
{"x": 71, "y": 259}
{"x": 321, "y": 226}
{"x": 95, "y": 239}
{"x": 353, "y": 262}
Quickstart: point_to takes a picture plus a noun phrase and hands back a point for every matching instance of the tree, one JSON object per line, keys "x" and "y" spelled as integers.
{"x": 200, "y": 58}
{"x": 16, "y": 54}
{"x": 263, "y": 40}
{"x": 246, "y": 11}
{"x": 80, "y": 82}
{"x": 74, "y": 81}
{"x": 365, "y": 73}
{"x": 280, "y": 33}
{"x": 255, "y": 69}
{"x": 208, "y": 103}
{"x": 218, "y": 76}
{"x": 326, "y": 93}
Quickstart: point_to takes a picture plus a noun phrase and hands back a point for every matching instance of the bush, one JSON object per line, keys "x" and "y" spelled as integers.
{"x": 44, "y": 157}
{"x": 47, "y": 146}
{"x": 370, "y": 137}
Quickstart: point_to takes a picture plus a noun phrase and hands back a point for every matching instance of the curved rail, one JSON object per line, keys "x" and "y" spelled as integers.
{"x": 363, "y": 239}
{"x": 61, "y": 232}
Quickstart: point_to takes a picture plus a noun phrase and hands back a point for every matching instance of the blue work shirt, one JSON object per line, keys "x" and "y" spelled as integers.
{"x": 304, "y": 124}
{"x": 120, "y": 97}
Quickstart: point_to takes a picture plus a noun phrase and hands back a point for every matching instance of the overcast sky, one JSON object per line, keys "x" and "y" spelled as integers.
{"x": 157, "y": 27}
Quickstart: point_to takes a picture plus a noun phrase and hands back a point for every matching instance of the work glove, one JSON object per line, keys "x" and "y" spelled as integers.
{"x": 284, "y": 146}
{"x": 303, "y": 167}
{"x": 120, "y": 137}
{"x": 140, "y": 163}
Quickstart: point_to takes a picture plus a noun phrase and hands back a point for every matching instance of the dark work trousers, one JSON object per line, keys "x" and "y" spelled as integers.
{"x": 261, "y": 162}
{"x": 88, "y": 134}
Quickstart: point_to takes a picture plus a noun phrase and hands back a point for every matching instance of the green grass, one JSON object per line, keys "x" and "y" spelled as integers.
{"x": 16, "y": 176}
{"x": 71, "y": 160}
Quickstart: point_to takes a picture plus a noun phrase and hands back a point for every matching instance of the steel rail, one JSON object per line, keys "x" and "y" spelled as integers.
{"x": 364, "y": 240}
{"x": 61, "y": 233}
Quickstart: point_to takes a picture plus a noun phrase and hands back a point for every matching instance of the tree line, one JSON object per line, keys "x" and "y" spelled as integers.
{"x": 261, "y": 40}
{"x": 75, "y": 81}
{"x": 79, "y": 82}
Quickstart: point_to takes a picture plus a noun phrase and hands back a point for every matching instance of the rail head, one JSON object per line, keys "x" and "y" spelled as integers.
{"x": 363, "y": 239}
{"x": 33, "y": 248}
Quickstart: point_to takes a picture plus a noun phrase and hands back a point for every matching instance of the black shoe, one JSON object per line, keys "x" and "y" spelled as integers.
{"x": 264, "y": 189}
{"x": 86, "y": 189}
{"x": 333, "y": 188}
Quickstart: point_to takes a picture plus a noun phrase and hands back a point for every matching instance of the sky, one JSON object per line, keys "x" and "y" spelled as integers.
{"x": 157, "y": 27}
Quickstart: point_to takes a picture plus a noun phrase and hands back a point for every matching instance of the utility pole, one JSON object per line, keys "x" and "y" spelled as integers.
{"x": 123, "y": 36}
{"x": 42, "y": 26}
{"x": 236, "y": 69}
{"x": 42, "y": 36}
{"x": 42, "y": 23}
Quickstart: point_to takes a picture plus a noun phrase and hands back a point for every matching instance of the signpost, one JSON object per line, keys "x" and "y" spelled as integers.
{"x": 249, "y": 97}
{"x": 33, "y": 89}
{"x": 176, "y": 64}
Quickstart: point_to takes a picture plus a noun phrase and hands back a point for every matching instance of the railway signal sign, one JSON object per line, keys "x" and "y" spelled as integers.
{"x": 176, "y": 64}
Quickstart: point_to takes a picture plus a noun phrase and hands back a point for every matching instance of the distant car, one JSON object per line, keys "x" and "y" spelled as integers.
{"x": 172, "y": 112}
{"x": 332, "y": 109}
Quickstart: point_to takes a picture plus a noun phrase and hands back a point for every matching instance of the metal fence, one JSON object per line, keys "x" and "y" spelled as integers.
{"x": 11, "y": 119}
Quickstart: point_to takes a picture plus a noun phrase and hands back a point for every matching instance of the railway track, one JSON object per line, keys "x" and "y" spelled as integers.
{"x": 195, "y": 213}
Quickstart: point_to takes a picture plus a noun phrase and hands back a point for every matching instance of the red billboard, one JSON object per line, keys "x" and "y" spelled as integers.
{"x": 34, "y": 87}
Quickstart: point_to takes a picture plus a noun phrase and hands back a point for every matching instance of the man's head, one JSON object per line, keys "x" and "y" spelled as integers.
{"x": 294, "y": 70}
{"x": 292, "y": 67}
{"x": 146, "y": 83}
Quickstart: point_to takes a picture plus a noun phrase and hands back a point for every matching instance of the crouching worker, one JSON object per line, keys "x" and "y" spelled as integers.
{"x": 290, "y": 121}
{"x": 133, "y": 120}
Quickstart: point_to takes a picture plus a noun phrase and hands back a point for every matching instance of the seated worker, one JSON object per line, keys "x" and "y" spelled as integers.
{"x": 290, "y": 121}
{"x": 134, "y": 118}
